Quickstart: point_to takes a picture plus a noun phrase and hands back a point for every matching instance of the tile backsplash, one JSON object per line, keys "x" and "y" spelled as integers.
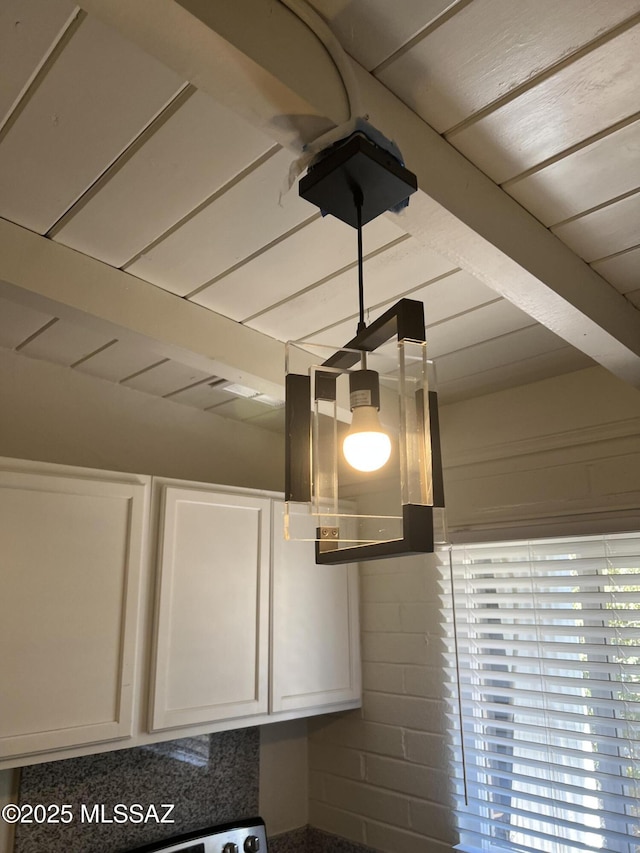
{"x": 208, "y": 779}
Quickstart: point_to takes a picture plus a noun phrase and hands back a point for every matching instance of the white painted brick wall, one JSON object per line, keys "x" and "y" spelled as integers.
{"x": 396, "y": 797}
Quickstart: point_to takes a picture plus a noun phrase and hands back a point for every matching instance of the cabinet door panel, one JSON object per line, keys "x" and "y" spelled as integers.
{"x": 212, "y": 632}
{"x": 315, "y": 655}
{"x": 70, "y": 554}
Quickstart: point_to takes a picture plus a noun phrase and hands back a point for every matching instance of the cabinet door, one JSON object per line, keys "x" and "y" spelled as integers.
{"x": 211, "y": 654}
{"x": 315, "y": 652}
{"x": 70, "y": 555}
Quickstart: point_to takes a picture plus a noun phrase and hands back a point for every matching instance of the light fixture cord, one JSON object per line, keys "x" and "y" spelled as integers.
{"x": 358, "y": 199}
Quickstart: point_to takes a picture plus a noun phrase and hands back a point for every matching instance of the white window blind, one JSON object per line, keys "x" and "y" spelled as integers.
{"x": 546, "y": 680}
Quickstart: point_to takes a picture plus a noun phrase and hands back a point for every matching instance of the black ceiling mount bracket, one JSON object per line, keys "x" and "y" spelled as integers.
{"x": 357, "y": 165}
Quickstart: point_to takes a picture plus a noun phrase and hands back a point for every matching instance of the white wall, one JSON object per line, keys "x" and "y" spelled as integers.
{"x": 379, "y": 776}
{"x": 522, "y": 458}
{"x": 542, "y": 458}
{"x": 55, "y": 414}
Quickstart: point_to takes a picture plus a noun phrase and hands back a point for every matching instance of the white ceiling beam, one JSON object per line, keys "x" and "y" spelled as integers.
{"x": 49, "y": 277}
{"x": 255, "y": 56}
{"x": 462, "y": 214}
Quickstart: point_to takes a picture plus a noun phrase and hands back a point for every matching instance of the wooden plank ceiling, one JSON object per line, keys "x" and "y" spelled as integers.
{"x": 108, "y": 152}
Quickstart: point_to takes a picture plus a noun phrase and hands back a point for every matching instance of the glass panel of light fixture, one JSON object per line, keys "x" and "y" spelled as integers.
{"x": 367, "y": 507}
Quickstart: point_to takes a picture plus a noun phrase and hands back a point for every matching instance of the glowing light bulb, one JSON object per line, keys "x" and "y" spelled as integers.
{"x": 366, "y": 446}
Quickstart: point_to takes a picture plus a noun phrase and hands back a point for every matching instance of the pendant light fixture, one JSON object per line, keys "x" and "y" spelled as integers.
{"x": 356, "y": 181}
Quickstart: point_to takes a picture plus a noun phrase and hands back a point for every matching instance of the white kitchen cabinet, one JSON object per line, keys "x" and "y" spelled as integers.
{"x": 135, "y": 610}
{"x": 224, "y": 640}
{"x": 315, "y": 650}
{"x": 212, "y": 632}
{"x": 72, "y": 545}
